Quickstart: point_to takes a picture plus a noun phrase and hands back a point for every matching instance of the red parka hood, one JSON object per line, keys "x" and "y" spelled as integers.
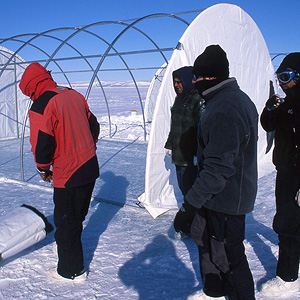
{"x": 36, "y": 80}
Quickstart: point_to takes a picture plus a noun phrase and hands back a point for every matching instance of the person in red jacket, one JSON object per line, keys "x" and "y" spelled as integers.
{"x": 63, "y": 134}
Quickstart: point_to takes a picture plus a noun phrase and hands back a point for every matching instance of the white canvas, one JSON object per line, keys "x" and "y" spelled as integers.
{"x": 13, "y": 103}
{"x": 20, "y": 228}
{"x": 249, "y": 62}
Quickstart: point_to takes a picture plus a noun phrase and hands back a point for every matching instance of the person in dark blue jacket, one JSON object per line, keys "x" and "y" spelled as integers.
{"x": 283, "y": 117}
{"x": 225, "y": 189}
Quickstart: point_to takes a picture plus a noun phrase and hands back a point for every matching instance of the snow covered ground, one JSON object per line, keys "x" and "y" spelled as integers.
{"x": 128, "y": 254}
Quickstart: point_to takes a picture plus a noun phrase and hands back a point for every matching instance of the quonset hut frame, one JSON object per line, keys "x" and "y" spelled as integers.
{"x": 45, "y": 55}
{"x": 52, "y": 57}
{"x": 26, "y": 46}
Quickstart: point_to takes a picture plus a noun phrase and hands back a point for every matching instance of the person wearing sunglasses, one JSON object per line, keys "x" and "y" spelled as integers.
{"x": 282, "y": 115}
{"x": 226, "y": 185}
{"x": 181, "y": 143}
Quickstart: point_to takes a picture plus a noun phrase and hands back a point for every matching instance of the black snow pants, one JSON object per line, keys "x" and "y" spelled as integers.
{"x": 286, "y": 224}
{"x": 223, "y": 264}
{"x": 186, "y": 177}
{"x": 71, "y": 207}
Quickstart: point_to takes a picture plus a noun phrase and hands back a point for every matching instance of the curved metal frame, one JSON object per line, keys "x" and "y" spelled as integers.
{"x": 110, "y": 46}
{"x": 277, "y": 54}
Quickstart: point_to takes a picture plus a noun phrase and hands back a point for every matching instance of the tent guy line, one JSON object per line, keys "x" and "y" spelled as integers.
{"x": 50, "y": 190}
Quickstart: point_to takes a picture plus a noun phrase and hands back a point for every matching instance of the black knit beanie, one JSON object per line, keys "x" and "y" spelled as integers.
{"x": 212, "y": 63}
{"x": 291, "y": 61}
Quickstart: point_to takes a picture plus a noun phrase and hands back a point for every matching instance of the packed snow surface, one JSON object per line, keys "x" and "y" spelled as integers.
{"x": 128, "y": 254}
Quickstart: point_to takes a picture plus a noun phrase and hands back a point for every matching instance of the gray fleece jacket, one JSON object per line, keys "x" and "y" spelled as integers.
{"x": 227, "y": 151}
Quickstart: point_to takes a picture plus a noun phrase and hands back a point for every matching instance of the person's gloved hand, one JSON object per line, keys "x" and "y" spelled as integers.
{"x": 297, "y": 198}
{"x": 168, "y": 152}
{"x": 46, "y": 175}
{"x": 274, "y": 102}
{"x": 184, "y": 218}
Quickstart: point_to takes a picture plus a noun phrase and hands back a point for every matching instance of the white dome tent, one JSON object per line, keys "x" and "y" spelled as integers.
{"x": 12, "y": 102}
{"x": 153, "y": 91}
{"x": 249, "y": 59}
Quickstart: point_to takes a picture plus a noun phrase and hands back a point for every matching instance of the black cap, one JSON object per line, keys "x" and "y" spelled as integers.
{"x": 291, "y": 61}
{"x": 212, "y": 63}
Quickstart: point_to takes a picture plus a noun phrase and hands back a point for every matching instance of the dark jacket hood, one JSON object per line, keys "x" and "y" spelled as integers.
{"x": 185, "y": 75}
{"x": 291, "y": 61}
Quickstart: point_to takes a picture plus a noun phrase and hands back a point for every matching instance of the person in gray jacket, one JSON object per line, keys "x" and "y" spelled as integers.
{"x": 225, "y": 189}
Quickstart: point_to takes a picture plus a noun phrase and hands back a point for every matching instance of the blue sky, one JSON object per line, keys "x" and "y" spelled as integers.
{"x": 277, "y": 20}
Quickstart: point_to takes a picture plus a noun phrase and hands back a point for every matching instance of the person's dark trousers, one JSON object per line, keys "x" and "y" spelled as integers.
{"x": 186, "y": 176}
{"x": 71, "y": 207}
{"x": 286, "y": 224}
{"x": 223, "y": 264}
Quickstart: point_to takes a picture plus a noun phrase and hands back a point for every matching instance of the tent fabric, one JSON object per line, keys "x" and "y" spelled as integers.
{"x": 249, "y": 62}
{"x": 153, "y": 92}
{"x": 21, "y": 228}
{"x": 13, "y": 103}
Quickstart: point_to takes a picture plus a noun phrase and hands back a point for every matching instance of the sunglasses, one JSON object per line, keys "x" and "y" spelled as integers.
{"x": 200, "y": 78}
{"x": 177, "y": 81}
{"x": 287, "y": 76}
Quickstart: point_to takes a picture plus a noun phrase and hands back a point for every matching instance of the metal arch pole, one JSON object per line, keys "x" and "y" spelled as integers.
{"x": 119, "y": 35}
{"x": 25, "y": 121}
{"x": 278, "y": 55}
{"x": 25, "y": 43}
{"x": 139, "y": 95}
{"x": 22, "y": 141}
{"x": 142, "y": 108}
{"x": 63, "y": 42}
{"x": 24, "y": 125}
{"x": 76, "y": 28}
{"x": 83, "y": 28}
{"x": 131, "y": 74}
{"x": 137, "y": 89}
{"x": 26, "y": 113}
{"x": 25, "y": 117}
{"x": 95, "y": 74}
{"x": 68, "y": 28}
{"x": 37, "y": 35}
{"x": 38, "y": 48}
{"x": 58, "y": 64}
{"x": 23, "y": 129}
{"x": 107, "y": 51}
{"x": 16, "y": 98}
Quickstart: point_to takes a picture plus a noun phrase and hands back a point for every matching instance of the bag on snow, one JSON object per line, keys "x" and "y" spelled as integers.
{"x": 21, "y": 228}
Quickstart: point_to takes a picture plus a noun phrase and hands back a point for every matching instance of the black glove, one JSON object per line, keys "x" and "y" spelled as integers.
{"x": 94, "y": 127}
{"x": 46, "y": 175}
{"x": 274, "y": 102}
{"x": 184, "y": 218}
